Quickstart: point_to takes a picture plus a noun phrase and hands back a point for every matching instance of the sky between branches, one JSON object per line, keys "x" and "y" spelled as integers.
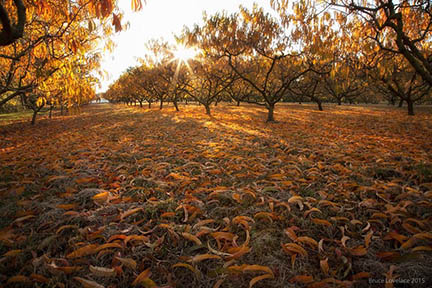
{"x": 158, "y": 18}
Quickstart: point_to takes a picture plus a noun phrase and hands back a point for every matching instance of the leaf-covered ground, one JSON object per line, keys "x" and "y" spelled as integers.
{"x": 118, "y": 196}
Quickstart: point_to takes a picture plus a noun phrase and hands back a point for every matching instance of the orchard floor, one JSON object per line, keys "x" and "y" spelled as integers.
{"x": 120, "y": 196}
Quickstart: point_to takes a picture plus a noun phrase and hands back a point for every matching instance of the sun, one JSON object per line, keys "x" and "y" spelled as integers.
{"x": 183, "y": 53}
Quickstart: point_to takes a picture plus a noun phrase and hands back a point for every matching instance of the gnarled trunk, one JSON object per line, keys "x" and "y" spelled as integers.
{"x": 33, "y": 121}
{"x": 320, "y": 108}
{"x": 270, "y": 113}
{"x": 410, "y": 105}
{"x": 50, "y": 111}
{"x": 207, "y": 107}
{"x": 176, "y": 105}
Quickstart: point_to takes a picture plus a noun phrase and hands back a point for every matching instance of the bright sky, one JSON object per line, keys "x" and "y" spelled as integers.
{"x": 159, "y": 18}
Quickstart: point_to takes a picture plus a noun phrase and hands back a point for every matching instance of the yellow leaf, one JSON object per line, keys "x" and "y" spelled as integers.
{"x": 12, "y": 253}
{"x": 143, "y": 279}
{"x": 83, "y": 251}
{"x": 321, "y": 222}
{"x": 308, "y": 240}
{"x": 167, "y": 215}
{"x": 302, "y": 279}
{"x": 424, "y": 236}
{"x": 368, "y": 238}
{"x": 187, "y": 266}
{"x": 257, "y": 268}
{"x": 21, "y": 219}
{"x": 237, "y": 252}
{"x": 396, "y": 236}
{"x": 18, "y": 279}
{"x": 39, "y": 278}
{"x": 67, "y": 206}
{"x": 298, "y": 200}
{"x": 56, "y": 177}
{"x": 219, "y": 283}
{"x": 192, "y": 238}
{"x": 311, "y": 210}
{"x": 259, "y": 278}
{"x": 292, "y": 247}
{"x": 102, "y": 271}
{"x": 128, "y": 262}
{"x": 101, "y": 197}
{"x": 130, "y": 212}
{"x": 203, "y": 222}
{"x": 422, "y": 248}
{"x": 266, "y": 215}
{"x": 409, "y": 243}
{"x": 88, "y": 283}
{"x": 107, "y": 245}
{"x": 202, "y": 257}
{"x": 85, "y": 180}
{"x": 66, "y": 227}
{"x": 361, "y": 275}
{"x": 324, "y": 266}
{"x": 358, "y": 251}
{"x": 68, "y": 269}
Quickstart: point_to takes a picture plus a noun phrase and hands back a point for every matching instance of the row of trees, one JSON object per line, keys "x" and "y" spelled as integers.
{"x": 313, "y": 54}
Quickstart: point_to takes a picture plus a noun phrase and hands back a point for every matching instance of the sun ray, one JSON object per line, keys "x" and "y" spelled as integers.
{"x": 183, "y": 53}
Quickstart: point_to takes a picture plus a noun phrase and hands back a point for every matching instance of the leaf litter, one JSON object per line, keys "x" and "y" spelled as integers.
{"x": 120, "y": 196}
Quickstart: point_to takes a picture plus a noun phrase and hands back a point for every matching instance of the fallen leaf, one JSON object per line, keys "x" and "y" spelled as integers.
{"x": 259, "y": 278}
{"x": 102, "y": 271}
{"x": 83, "y": 251}
{"x": 88, "y": 283}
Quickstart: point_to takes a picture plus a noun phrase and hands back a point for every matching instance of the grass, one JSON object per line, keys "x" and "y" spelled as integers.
{"x": 25, "y": 115}
{"x": 349, "y": 187}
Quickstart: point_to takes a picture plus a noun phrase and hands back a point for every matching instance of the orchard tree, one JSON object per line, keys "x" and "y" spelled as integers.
{"x": 344, "y": 82}
{"x": 209, "y": 80}
{"x": 257, "y": 49}
{"x": 399, "y": 27}
{"x": 17, "y": 14}
{"x": 310, "y": 86}
{"x": 53, "y": 40}
{"x": 240, "y": 91}
{"x": 398, "y": 80}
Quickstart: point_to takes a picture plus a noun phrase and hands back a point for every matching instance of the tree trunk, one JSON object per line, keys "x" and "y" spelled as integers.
{"x": 270, "y": 114}
{"x": 410, "y": 107}
{"x": 61, "y": 109}
{"x": 50, "y": 111}
{"x": 140, "y": 104}
{"x": 149, "y": 104}
{"x": 320, "y": 108}
{"x": 339, "y": 101}
{"x": 161, "y": 104}
{"x": 207, "y": 107}
{"x": 186, "y": 102}
{"x": 238, "y": 103}
{"x": 216, "y": 103}
{"x": 400, "y": 103}
{"x": 33, "y": 121}
{"x": 176, "y": 105}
